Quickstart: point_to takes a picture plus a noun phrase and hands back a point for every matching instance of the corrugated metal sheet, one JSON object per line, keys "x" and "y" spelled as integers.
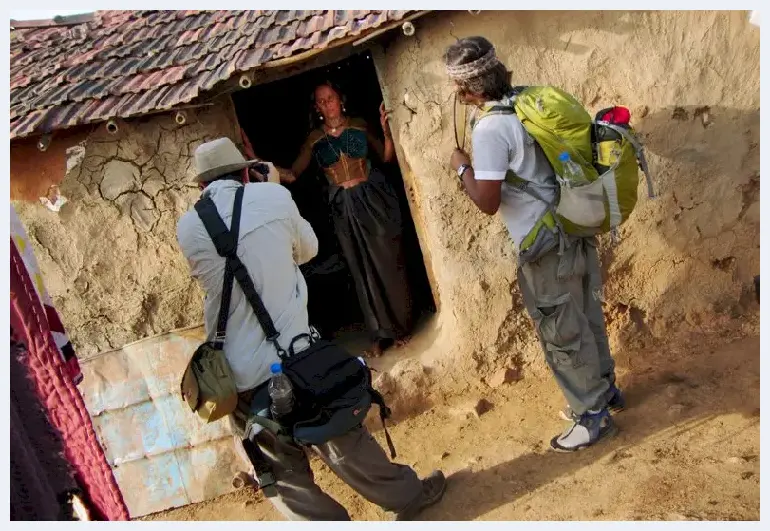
{"x": 161, "y": 455}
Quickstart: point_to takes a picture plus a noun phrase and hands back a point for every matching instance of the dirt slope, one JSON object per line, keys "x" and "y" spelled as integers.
{"x": 688, "y": 448}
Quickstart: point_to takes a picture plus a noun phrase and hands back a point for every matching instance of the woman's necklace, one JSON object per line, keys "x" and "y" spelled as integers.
{"x": 333, "y": 129}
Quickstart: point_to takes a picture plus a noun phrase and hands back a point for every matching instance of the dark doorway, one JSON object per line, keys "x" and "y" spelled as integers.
{"x": 276, "y": 118}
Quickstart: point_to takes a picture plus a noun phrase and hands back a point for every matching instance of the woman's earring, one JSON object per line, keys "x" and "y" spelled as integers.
{"x": 343, "y": 107}
{"x": 321, "y": 117}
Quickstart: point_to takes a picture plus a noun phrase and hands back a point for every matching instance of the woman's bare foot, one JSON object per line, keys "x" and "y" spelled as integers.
{"x": 375, "y": 351}
{"x": 404, "y": 341}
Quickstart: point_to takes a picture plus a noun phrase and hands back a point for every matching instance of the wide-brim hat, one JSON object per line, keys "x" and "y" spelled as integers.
{"x": 217, "y": 158}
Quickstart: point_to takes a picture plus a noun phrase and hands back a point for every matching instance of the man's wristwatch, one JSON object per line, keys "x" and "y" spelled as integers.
{"x": 462, "y": 169}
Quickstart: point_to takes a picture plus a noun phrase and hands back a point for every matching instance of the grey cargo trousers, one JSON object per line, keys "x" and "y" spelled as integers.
{"x": 562, "y": 295}
{"x": 356, "y": 458}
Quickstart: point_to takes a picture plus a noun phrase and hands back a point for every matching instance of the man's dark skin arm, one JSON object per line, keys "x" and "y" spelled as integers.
{"x": 485, "y": 194}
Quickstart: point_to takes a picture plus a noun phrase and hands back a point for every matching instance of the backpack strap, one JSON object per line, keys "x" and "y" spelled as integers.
{"x": 490, "y": 111}
{"x": 378, "y": 399}
{"x": 628, "y": 136}
{"x": 518, "y": 90}
{"x": 500, "y": 109}
{"x": 528, "y": 188}
{"x": 226, "y": 244}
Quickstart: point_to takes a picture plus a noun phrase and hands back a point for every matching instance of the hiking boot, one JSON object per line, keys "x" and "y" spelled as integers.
{"x": 616, "y": 404}
{"x": 433, "y": 488}
{"x": 587, "y": 430}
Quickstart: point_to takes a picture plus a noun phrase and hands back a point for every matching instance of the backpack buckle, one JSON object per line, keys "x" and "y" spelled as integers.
{"x": 219, "y": 340}
{"x": 273, "y": 338}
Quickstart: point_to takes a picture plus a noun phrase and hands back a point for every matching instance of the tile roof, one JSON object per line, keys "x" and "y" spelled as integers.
{"x": 77, "y": 70}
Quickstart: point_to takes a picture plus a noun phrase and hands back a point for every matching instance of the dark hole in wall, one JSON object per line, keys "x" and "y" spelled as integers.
{"x": 276, "y": 118}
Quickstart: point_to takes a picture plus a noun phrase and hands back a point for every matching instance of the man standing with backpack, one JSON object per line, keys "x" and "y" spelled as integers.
{"x": 559, "y": 274}
{"x": 270, "y": 240}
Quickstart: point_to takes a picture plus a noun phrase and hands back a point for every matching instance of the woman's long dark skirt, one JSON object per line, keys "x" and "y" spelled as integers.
{"x": 368, "y": 222}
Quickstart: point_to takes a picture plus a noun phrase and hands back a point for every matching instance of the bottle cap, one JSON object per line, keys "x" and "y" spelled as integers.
{"x": 564, "y": 156}
{"x": 275, "y": 368}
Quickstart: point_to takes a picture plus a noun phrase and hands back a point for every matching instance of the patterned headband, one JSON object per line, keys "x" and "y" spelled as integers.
{"x": 475, "y": 68}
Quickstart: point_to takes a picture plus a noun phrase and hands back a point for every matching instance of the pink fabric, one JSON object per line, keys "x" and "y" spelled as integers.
{"x": 617, "y": 115}
{"x": 55, "y": 387}
{"x": 29, "y": 262}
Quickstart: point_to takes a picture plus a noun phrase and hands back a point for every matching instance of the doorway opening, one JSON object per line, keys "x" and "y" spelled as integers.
{"x": 276, "y": 118}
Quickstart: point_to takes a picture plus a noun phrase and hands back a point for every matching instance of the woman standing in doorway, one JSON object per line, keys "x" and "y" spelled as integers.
{"x": 365, "y": 210}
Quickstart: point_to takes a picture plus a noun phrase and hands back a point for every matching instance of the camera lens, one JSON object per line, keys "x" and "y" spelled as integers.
{"x": 262, "y": 168}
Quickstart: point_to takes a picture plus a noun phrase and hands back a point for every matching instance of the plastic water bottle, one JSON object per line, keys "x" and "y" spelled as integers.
{"x": 572, "y": 172}
{"x": 280, "y": 392}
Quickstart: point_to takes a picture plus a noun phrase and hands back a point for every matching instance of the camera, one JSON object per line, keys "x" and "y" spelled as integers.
{"x": 263, "y": 172}
{"x": 261, "y": 167}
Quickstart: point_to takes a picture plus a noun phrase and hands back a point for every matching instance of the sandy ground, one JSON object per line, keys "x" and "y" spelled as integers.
{"x": 688, "y": 449}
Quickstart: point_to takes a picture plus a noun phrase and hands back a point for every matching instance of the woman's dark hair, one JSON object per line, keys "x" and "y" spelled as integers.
{"x": 315, "y": 119}
{"x": 493, "y": 84}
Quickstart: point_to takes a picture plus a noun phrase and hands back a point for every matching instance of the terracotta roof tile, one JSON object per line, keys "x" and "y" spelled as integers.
{"x": 26, "y": 124}
{"x": 127, "y": 63}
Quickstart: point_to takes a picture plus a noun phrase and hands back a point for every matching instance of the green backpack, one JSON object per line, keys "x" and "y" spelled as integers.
{"x": 609, "y": 155}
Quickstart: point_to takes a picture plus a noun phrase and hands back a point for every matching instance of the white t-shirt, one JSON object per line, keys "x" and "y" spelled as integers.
{"x": 500, "y": 143}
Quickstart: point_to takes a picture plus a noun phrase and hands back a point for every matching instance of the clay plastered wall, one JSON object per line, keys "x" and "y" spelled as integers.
{"x": 109, "y": 256}
{"x": 691, "y": 80}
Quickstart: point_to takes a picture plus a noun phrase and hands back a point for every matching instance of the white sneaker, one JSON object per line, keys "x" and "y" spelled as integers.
{"x": 586, "y": 431}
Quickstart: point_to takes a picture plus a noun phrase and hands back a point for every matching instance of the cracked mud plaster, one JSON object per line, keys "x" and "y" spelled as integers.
{"x": 110, "y": 257}
{"x": 707, "y": 176}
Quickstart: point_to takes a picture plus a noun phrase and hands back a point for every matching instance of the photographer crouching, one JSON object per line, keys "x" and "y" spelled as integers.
{"x": 285, "y": 390}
